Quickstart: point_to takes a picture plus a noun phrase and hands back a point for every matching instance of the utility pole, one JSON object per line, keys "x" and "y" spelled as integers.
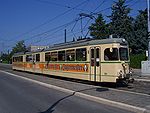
{"x": 148, "y": 19}
{"x": 65, "y": 36}
{"x": 146, "y": 64}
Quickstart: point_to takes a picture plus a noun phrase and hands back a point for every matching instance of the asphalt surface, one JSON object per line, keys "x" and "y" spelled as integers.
{"x": 21, "y": 96}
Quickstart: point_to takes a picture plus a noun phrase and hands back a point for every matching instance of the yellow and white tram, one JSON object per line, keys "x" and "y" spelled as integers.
{"x": 105, "y": 60}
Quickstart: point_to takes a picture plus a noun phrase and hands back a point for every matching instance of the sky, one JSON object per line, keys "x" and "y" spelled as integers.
{"x": 42, "y": 22}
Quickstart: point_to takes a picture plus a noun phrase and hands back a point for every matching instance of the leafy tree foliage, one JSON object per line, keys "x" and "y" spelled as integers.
{"x": 19, "y": 47}
{"x": 140, "y": 41}
{"x": 5, "y": 57}
{"x": 99, "y": 29}
{"x": 121, "y": 23}
{"x": 134, "y": 30}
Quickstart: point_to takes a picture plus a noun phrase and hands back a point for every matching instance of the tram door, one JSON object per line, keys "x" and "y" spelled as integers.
{"x": 95, "y": 74}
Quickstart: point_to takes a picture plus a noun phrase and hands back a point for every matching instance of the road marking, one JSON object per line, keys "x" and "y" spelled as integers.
{"x": 144, "y": 80}
{"x": 119, "y": 90}
{"x": 86, "y": 96}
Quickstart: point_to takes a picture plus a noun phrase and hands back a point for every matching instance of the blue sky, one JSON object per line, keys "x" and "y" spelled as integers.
{"x": 27, "y": 19}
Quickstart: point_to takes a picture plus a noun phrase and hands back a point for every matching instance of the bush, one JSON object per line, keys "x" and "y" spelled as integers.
{"x": 135, "y": 60}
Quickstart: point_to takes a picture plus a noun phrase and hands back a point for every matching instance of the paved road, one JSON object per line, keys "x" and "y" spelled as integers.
{"x": 21, "y": 96}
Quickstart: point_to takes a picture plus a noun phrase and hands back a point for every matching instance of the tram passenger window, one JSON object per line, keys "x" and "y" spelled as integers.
{"x": 92, "y": 57}
{"x": 37, "y": 57}
{"x": 29, "y": 58}
{"x": 61, "y": 56}
{"x": 111, "y": 54}
{"x": 70, "y": 55}
{"x": 92, "y": 53}
{"x": 18, "y": 59}
{"x": 14, "y": 59}
{"x": 47, "y": 56}
{"x": 33, "y": 58}
{"x": 81, "y": 54}
{"x": 21, "y": 58}
{"x": 97, "y": 57}
{"x": 54, "y": 56}
{"x": 97, "y": 60}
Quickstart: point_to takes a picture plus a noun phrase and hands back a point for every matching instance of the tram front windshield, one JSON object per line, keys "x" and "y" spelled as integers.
{"x": 111, "y": 54}
{"x": 123, "y": 52}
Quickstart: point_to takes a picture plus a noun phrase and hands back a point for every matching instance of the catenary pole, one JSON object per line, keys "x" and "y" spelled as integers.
{"x": 148, "y": 19}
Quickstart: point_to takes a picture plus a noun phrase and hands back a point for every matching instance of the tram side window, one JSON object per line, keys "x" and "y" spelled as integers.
{"x": 81, "y": 54}
{"x": 97, "y": 57}
{"x": 70, "y": 55}
{"x": 29, "y": 58}
{"x": 37, "y": 57}
{"x": 47, "y": 56}
{"x": 54, "y": 56}
{"x": 14, "y": 59}
{"x": 21, "y": 58}
{"x": 61, "y": 55}
{"x": 111, "y": 54}
{"x": 18, "y": 59}
{"x": 92, "y": 57}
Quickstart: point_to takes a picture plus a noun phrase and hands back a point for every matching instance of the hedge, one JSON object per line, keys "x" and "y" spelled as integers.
{"x": 135, "y": 60}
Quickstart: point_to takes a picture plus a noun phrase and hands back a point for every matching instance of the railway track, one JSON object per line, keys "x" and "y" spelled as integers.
{"x": 138, "y": 86}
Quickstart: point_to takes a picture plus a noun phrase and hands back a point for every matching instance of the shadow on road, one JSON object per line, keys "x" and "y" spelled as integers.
{"x": 51, "y": 109}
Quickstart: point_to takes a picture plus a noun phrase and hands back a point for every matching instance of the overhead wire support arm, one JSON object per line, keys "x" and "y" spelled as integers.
{"x": 86, "y": 15}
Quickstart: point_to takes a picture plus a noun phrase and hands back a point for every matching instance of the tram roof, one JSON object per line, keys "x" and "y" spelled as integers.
{"x": 84, "y": 42}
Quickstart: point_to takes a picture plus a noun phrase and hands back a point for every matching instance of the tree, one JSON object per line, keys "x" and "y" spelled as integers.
{"x": 19, "y": 47}
{"x": 121, "y": 24}
{"x": 5, "y": 57}
{"x": 140, "y": 42}
{"x": 99, "y": 29}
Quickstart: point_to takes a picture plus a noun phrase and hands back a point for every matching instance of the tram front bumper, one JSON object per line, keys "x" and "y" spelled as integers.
{"x": 128, "y": 78}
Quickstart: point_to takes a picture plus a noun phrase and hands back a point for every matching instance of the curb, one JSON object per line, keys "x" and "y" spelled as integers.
{"x": 144, "y": 80}
{"x": 86, "y": 96}
{"x": 113, "y": 103}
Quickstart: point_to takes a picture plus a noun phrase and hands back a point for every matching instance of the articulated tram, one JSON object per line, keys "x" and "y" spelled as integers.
{"x": 105, "y": 60}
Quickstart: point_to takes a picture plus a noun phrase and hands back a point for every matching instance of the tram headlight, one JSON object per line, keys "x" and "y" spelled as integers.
{"x": 124, "y": 65}
{"x": 123, "y": 40}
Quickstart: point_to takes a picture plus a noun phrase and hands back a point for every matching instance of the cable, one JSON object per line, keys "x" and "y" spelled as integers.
{"x": 135, "y": 3}
{"x": 63, "y": 14}
{"x": 76, "y": 20}
{"x": 60, "y": 5}
{"x": 53, "y": 29}
{"x": 78, "y": 31}
{"x": 52, "y": 19}
{"x": 56, "y": 31}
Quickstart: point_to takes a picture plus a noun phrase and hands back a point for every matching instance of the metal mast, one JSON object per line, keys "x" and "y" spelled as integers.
{"x": 148, "y": 19}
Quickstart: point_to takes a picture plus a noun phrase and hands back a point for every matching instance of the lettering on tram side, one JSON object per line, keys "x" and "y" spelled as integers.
{"x": 75, "y": 67}
{"x": 28, "y": 65}
{"x": 68, "y": 67}
{"x": 53, "y": 66}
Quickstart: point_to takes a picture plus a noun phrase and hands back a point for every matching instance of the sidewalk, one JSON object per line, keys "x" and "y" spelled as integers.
{"x": 139, "y": 77}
